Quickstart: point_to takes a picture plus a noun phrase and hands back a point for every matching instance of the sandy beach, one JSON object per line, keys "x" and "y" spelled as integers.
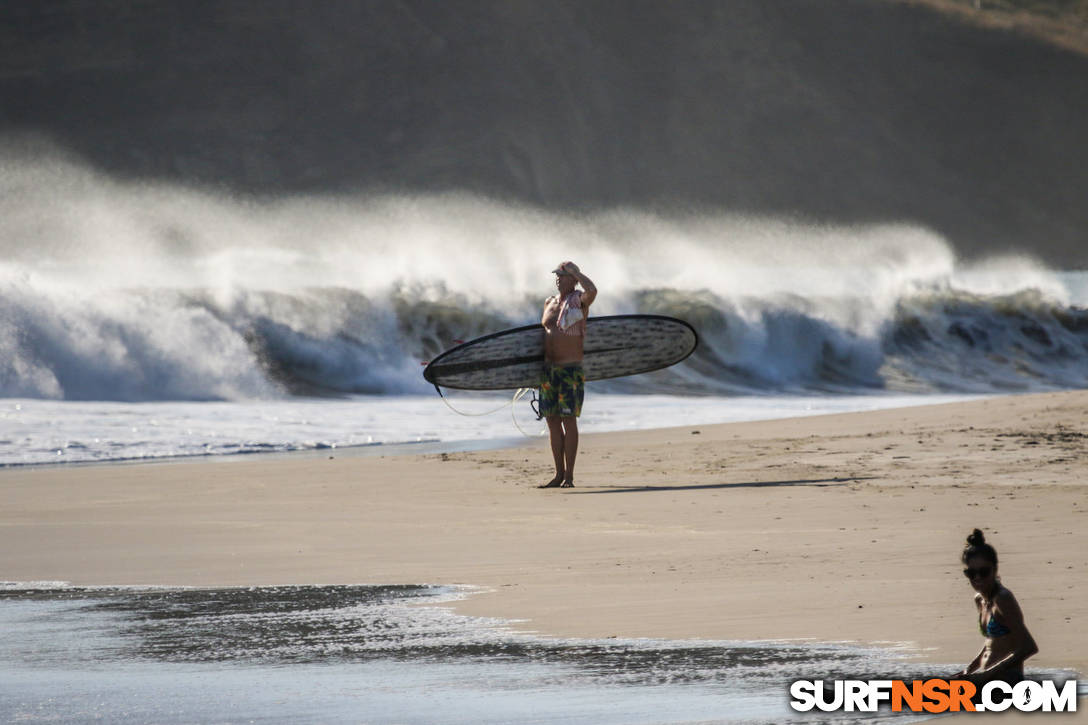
{"x": 831, "y": 528}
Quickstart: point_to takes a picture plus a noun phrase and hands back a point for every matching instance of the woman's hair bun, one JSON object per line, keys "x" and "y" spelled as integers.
{"x": 977, "y": 546}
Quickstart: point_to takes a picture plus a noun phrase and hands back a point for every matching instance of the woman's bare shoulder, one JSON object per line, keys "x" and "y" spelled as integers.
{"x": 1005, "y": 598}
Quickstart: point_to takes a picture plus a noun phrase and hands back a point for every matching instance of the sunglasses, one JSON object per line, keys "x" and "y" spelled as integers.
{"x": 982, "y": 572}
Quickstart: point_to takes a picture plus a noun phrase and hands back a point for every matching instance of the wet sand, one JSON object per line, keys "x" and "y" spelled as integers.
{"x": 833, "y": 528}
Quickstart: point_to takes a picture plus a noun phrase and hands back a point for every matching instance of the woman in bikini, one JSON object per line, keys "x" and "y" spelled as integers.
{"x": 1000, "y": 620}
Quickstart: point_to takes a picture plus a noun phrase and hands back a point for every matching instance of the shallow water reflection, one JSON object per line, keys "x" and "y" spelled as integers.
{"x": 371, "y": 654}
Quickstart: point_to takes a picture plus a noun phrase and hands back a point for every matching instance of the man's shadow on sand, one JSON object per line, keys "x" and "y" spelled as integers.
{"x": 817, "y": 482}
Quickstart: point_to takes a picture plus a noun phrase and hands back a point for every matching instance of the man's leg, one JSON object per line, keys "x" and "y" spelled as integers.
{"x": 570, "y": 448}
{"x": 557, "y": 439}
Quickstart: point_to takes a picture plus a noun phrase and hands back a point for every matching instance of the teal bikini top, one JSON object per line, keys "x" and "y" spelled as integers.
{"x": 993, "y": 628}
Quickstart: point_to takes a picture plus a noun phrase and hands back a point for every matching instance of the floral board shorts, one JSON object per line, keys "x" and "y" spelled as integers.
{"x": 562, "y": 390}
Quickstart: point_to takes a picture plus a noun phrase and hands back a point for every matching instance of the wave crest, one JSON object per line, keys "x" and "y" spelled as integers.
{"x": 119, "y": 291}
{"x": 170, "y": 345}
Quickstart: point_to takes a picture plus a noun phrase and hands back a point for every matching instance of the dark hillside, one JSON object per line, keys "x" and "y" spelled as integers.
{"x": 848, "y": 111}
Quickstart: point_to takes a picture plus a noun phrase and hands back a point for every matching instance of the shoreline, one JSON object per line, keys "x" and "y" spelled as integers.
{"x": 607, "y": 407}
{"x": 839, "y": 527}
{"x": 360, "y": 450}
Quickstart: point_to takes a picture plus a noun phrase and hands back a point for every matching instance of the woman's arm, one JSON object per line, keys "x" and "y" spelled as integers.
{"x": 973, "y": 667}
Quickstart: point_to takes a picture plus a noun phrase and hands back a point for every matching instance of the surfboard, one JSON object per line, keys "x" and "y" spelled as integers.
{"x": 616, "y": 345}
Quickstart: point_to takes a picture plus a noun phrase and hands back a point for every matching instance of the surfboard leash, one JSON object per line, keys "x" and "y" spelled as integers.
{"x": 532, "y": 404}
{"x": 471, "y": 415}
{"x": 518, "y": 395}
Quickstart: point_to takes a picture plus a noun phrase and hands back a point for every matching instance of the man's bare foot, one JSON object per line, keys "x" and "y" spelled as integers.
{"x": 567, "y": 483}
{"x": 554, "y": 483}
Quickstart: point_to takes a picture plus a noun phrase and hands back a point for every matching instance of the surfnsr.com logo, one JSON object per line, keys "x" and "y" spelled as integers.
{"x": 932, "y": 696}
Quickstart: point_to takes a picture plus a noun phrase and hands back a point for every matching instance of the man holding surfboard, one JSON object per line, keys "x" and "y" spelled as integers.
{"x": 562, "y": 387}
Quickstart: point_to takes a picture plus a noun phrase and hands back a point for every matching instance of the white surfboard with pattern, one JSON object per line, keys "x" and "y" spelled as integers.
{"x": 615, "y": 346}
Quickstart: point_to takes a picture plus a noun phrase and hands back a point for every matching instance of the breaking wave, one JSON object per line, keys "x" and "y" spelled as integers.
{"x": 118, "y": 291}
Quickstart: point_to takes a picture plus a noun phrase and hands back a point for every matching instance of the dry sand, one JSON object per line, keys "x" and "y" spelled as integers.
{"x": 831, "y": 528}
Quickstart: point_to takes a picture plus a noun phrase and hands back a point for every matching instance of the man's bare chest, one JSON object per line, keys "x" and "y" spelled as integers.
{"x": 550, "y": 318}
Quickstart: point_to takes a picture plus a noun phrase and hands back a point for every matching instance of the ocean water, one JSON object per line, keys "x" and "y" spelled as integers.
{"x": 390, "y": 654}
{"x": 51, "y": 432}
{"x": 142, "y": 320}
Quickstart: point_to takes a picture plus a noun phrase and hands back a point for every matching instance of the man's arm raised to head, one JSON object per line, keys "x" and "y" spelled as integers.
{"x": 590, "y": 289}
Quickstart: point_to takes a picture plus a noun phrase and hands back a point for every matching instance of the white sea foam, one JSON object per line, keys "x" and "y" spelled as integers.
{"x": 51, "y": 432}
{"x": 65, "y": 223}
{"x": 117, "y": 290}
